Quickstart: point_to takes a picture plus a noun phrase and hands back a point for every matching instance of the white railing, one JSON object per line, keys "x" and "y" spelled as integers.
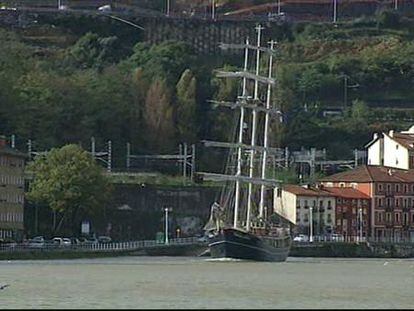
{"x": 355, "y": 239}
{"x": 112, "y": 246}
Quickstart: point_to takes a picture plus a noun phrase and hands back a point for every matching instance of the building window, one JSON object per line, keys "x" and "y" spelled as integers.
{"x": 329, "y": 219}
{"x": 396, "y": 147}
{"x": 388, "y": 188}
{"x": 329, "y": 204}
{"x": 405, "y": 188}
{"x": 388, "y": 215}
{"x": 397, "y": 187}
{"x": 380, "y": 187}
{"x": 397, "y": 217}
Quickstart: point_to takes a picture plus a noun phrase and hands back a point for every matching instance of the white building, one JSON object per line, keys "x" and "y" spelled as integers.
{"x": 297, "y": 202}
{"x": 392, "y": 149}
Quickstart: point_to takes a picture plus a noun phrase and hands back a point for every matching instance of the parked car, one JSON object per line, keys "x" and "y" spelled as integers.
{"x": 61, "y": 241}
{"x": 86, "y": 241}
{"x": 37, "y": 242}
{"x": 301, "y": 238}
{"x": 104, "y": 239}
{"x": 337, "y": 237}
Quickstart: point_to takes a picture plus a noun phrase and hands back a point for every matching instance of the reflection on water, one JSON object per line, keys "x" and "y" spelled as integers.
{"x": 190, "y": 282}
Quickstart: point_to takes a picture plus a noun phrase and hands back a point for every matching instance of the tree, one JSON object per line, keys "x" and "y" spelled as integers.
{"x": 70, "y": 182}
{"x": 93, "y": 51}
{"x": 158, "y": 115}
{"x": 187, "y": 107}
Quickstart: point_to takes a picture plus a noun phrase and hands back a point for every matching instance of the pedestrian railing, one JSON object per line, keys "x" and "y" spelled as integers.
{"x": 111, "y": 246}
{"x": 354, "y": 239}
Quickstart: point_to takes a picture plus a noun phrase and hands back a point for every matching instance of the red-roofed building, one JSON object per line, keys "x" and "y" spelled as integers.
{"x": 392, "y": 198}
{"x": 352, "y": 217}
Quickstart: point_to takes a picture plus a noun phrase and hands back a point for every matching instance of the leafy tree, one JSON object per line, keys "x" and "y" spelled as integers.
{"x": 187, "y": 107}
{"x": 159, "y": 117}
{"x": 70, "y": 182}
{"x": 93, "y": 51}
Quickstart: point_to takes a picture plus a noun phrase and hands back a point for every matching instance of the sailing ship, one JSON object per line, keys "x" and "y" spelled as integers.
{"x": 238, "y": 227}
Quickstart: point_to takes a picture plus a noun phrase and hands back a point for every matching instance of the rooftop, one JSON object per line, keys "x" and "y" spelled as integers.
{"x": 347, "y": 192}
{"x": 372, "y": 173}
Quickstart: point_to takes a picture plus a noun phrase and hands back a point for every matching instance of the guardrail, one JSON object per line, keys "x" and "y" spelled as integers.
{"x": 105, "y": 247}
{"x": 356, "y": 239}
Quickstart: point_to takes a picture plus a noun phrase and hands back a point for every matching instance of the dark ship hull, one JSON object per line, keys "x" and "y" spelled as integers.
{"x": 237, "y": 244}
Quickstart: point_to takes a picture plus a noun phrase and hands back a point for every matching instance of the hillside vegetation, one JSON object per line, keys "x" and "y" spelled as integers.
{"x": 66, "y": 83}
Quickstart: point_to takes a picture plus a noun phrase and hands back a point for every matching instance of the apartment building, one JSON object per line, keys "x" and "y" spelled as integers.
{"x": 12, "y": 164}
{"x": 391, "y": 212}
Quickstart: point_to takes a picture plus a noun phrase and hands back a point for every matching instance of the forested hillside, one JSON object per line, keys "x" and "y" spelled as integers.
{"x": 64, "y": 83}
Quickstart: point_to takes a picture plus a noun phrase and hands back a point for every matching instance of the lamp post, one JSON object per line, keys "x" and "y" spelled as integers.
{"x": 360, "y": 223}
{"x": 334, "y": 10}
{"x": 396, "y": 4}
{"x": 166, "y": 210}
{"x": 168, "y": 7}
{"x": 310, "y": 224}
{"x": 213, "y": 9}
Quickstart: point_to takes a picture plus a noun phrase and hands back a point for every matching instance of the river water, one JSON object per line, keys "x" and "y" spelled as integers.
{"x": 191, "y": 282}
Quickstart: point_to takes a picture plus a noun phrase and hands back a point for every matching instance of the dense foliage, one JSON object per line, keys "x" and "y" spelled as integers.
{"x": 71, "y": 183}
{"x": 156, "y": 97}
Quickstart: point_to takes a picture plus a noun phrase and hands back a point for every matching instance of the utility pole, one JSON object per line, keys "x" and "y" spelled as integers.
{"x": 334, "y": 10}
{"x": 185, "y": 161}
{"x": 213, "y": 10}
{"x": 192, "y": 161}
{"x": 310, "y": 225}
{"x": 13, "y": 141}
{"x": 166, "y": 210}
{"x": 128, "y": 161}
{"x": 360, "y": 224}
{"x": 168, "y": 7}
{"x": 345, "y": 90}
{"x": 109, "y": 156}
{"x": 93, "y": 147}
{"x": 278, "y": 8}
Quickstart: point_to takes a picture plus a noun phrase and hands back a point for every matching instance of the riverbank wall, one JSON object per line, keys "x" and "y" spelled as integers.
{"x": 354, "y": 250}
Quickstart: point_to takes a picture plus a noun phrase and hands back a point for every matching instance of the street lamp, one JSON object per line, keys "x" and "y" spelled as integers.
{"x": 334, "y": 11}
{"x": 166, "y": 210}
{"x": 360, "y": 223}
{"x": 310, "y": 225}
{"x": 168, "y": 7}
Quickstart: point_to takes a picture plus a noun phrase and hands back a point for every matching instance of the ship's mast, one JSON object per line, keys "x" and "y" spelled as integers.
{"x": 266, "y": 132}
{"x": 254, "y": 126}
{"x": 240, "y": 140}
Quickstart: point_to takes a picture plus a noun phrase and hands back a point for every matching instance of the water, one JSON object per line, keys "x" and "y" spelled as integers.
{"x": 188, "y": 282}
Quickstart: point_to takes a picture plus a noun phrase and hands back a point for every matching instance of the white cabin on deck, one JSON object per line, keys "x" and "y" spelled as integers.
{"x": 392, "y": 149}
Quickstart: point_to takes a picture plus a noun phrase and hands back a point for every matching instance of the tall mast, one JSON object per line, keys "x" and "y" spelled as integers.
{"x": 239, "y": 149}
{"x": 266, "y": 130}
{"x": 254, "y": 126}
